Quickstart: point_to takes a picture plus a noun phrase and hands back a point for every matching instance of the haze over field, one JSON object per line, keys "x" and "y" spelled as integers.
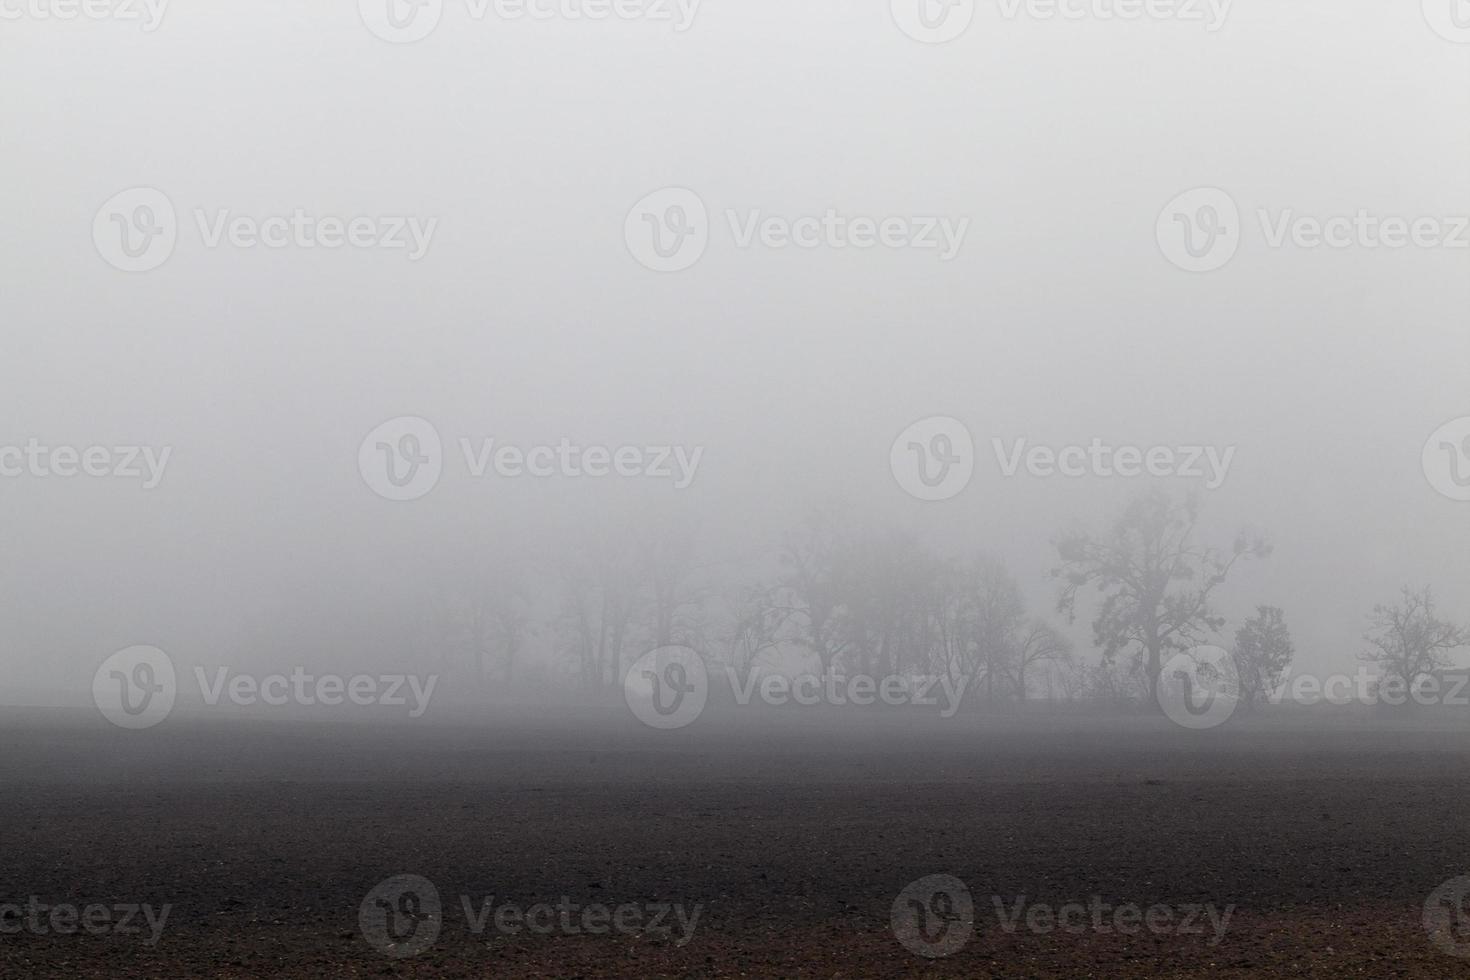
{"x": 713, "y": 488}
{"x": 526, "y": 319}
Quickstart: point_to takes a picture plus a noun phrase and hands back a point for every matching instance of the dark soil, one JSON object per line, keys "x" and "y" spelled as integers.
{"x": 794, "y": 835}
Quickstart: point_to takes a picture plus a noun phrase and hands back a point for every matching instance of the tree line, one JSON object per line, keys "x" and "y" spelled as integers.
{"x": 833, "y": 597}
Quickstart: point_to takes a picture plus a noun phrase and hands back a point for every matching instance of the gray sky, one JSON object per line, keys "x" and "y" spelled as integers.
{"x": 530, "y": 319}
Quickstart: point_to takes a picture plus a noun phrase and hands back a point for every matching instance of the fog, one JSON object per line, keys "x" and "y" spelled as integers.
{"x": 729, "y": 488}
{"x": 530, "y": 318}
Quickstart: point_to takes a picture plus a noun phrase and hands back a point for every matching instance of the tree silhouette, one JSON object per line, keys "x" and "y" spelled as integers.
{"x": 1154, "y": 580}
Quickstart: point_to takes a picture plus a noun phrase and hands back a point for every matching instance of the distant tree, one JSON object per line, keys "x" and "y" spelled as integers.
{"x": 664, "y": 561}
{"x": 951, "y": 612}
{"x": 508, "y": 625}
{"x": 999, "y": 616}
{"x": 480, "y": 613}
{"x": 1039, "y": 643}
{"x": 987, "y": 634}
{"x": 757, "y": 622}
{"x": 1072, "y": 678}
{"x": 886, "y": 581}
{"x": 1154, "y": 580}
{"x": 1113, "y": 682}
{"x": 812, "y": 558}
{"x": 1263, "y": 651}
{"x": 1408, "y": 641}
{"x": 600, "y": 597}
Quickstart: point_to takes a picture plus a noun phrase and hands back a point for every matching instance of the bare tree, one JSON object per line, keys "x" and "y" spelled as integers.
{"x": 759, "y": 616}
{"x": 885, "y": 581}
{"x": 811, "y": 559}
{"x": 665, "y": 565}
{"x": 1039, "y": 643}
{"x": 1154, "y": 580}
{"x": 479, "y": 613}
{"x": 599, "y": 600}
{"x": 999, "y": 617}
{"x": 508, "y": 622}
{"x": 951, "y": 609}
{"x": 1408, "y": 641}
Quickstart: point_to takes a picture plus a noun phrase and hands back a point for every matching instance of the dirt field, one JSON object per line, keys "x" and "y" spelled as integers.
{"x": 792, "y": 839}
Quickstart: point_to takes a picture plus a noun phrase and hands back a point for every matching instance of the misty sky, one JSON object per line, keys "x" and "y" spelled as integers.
{"x": 529, "y": 321}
